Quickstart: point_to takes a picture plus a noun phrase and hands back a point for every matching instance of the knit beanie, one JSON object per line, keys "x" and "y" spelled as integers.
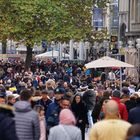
{"x": 66, "y": 117}
{"x": 116, "y": 93}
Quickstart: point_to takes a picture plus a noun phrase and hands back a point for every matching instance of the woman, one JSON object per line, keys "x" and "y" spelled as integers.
{"x": 80, "y": 111}
{"x": 66, "y": 130}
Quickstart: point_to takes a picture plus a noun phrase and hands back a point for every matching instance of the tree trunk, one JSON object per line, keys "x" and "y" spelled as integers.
{"x": 4, "y": 43}
{"x": 28, "y": 57}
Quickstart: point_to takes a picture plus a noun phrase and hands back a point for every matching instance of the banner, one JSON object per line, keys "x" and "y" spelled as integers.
{"x": 98, "y": 17}
{"x": 114, "y": 9}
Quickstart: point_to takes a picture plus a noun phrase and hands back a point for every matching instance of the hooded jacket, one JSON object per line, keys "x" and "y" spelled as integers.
{"x": 27, "y": 121}
{"x": 89, "y": 98}
{"x": 122, "y": 109}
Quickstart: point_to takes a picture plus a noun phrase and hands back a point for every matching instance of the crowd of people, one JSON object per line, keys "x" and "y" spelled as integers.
{"x": 56, "y": 101}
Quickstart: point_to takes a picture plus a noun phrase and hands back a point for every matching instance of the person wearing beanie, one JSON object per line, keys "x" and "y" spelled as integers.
{"x": 66, "y": 130}
{"x": 122, "y": 108}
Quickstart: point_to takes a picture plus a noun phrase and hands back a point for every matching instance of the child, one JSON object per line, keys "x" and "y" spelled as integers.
{"x": 40, "y": 110}
{"x": 11, "y": 100}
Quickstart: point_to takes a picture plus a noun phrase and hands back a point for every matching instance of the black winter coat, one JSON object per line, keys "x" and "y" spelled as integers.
{"x": 80, "y": 112}
{"x": 7, "y": 127}
{"x": 134, "y": 115}
{"x": 89, "y": 98}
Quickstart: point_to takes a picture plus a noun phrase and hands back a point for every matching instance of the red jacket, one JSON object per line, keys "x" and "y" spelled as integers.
{"x": 122, "y": 109}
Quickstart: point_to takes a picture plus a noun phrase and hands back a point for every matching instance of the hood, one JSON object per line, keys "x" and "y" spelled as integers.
{"x": 66, "y": 117}
{"x": 22, "y": 106}
{"x": 90, "y": 92}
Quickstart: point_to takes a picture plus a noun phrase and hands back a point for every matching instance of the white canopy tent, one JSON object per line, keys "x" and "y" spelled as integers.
{"x": 106, "y": 62}
{"x": 51, "y": 54}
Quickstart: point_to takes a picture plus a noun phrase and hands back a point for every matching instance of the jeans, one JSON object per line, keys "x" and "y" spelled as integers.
{"x": 90, "y": 119}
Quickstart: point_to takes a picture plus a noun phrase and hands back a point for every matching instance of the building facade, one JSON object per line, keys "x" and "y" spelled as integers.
{"x": 129, "y": 32}
{"x": 129, "y": 19}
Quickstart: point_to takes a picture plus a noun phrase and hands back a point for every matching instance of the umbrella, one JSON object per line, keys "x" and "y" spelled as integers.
{"x": 105, "y": 62}
{"x": 50, "y": 54}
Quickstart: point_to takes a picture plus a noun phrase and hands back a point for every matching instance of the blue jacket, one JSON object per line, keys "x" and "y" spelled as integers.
{"x": 134, "y": 115}
{"x": 52, "y": 115}
{"x": 45, "y": 104}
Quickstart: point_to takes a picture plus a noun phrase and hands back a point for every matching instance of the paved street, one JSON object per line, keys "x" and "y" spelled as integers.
{"x": 86, "y": 136}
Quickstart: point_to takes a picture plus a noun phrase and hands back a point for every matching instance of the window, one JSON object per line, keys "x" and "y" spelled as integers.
{"x": 137, "y": 15}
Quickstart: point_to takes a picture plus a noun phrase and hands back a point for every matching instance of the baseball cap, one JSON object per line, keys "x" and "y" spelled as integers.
{"x": 59, "y": 91}
{"x": 116, "y": 93}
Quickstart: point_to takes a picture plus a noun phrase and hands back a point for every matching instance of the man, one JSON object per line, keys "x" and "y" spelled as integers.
{"x": 134, "y": 113}
{"x": 112, "y": 128}
{"x": 89, "y": 97}
{"x": 7, "y": 124}
{"x": 54, "y": 108}
{"x": 122, "y": 108}
{"x": 44, "y": 101}
{"x": 26, "y": 119}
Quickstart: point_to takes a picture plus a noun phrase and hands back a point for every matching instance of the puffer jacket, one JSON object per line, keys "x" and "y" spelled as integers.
{"x": 27, "y": 121}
